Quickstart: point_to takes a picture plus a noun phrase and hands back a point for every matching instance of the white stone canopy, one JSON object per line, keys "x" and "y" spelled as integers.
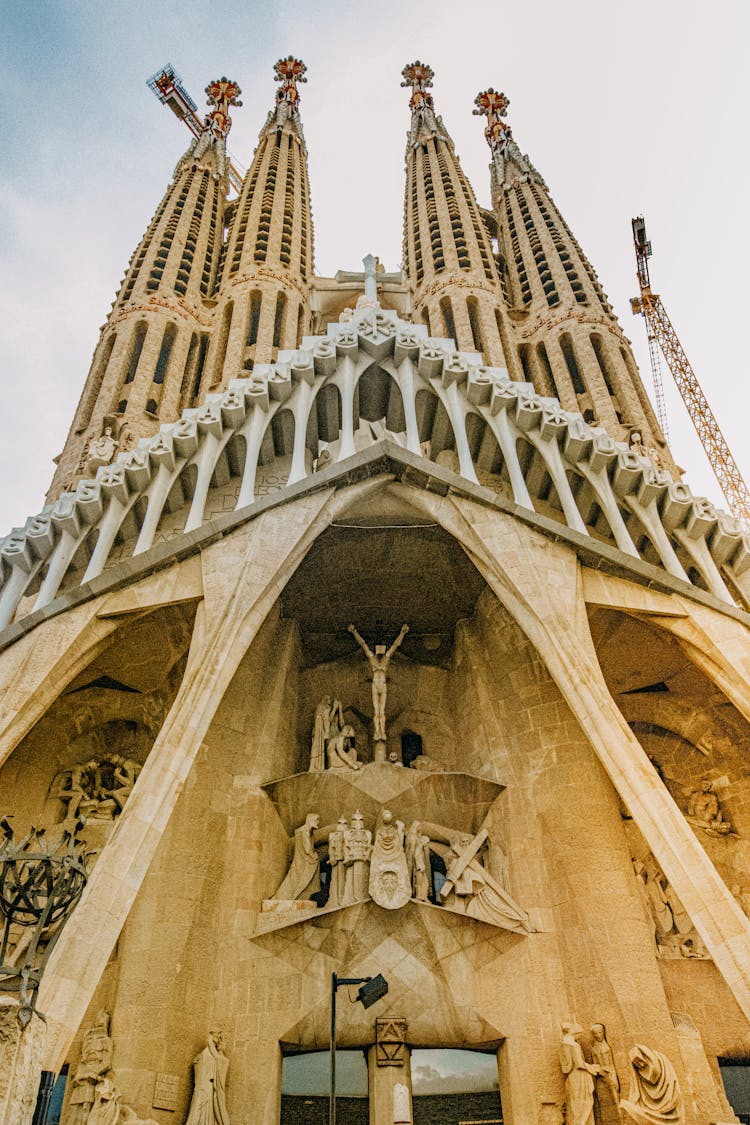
{"x": 490, "y": 430}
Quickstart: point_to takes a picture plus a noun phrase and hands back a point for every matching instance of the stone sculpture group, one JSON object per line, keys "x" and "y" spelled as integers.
{"x": 654, "y": 1097}
{"x": 392, "y": 866}
{"x": 96, "y": 789}
{"x": 95, "y": 1098}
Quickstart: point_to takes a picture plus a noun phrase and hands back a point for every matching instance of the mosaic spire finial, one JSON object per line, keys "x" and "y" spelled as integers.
{"x": 494, "y": 106}
{"x": 222, "y": 93}
{"x": 289, "y": 72}
{"x": 419, "y": 77}
{"x": 425, "y": 122}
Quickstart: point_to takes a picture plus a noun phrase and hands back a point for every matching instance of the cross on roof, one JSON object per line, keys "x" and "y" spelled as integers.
{"x": 373, "y": 273}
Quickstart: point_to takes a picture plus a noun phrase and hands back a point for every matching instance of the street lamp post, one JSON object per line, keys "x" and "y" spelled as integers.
{"x": 373, "y": 989}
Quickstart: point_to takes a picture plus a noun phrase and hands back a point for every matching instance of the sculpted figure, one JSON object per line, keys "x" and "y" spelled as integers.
{"x": 101, "y": 450}
{"x": 336, "y": 893}
{"x": 601, "y": 1053}
{"x": 303, "y": 877}
{"x": 704, "y": 810}
{"x": 417, "y": 850}
{"x": 579, "y": 1078}
{"x": 357, "y": 849}
{"x": 655, "y": 1097}
{"x": 390, "y": 885}
{"x": 208, "y": 1105}
{"x": 107, "y": 1109}
{"x": 422, "y": 871}
{"x": 329, "y": 718}
{"x": 126, "y": 773}
{"x": 95, "y": 1063}
{"x": 341, "y": 751}
{"x": 379, "y": 661}
{"x": 470, "y": 889}
{"x": 673, "y": 928}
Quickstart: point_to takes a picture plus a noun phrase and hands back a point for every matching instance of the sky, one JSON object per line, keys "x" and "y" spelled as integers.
{"x": 625, "y": 108}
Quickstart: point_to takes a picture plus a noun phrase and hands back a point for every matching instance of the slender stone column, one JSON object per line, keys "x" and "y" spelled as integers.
{"x": 390, "y": 1090}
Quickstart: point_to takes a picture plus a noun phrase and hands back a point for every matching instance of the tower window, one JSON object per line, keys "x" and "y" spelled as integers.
{"x": 136, "y": 348}
{"x": 566, "y": 344}
{"x": 472, "y": 306}
{"x": 603, "y": 361}
{"x": 165, "y": 351}
{"x": 447, "y": 310}
{"x": 221, "y": 351}
{"x": 252, "y": 332}
{"x": 278, "y": 319}
{"x": 95, "y": 385}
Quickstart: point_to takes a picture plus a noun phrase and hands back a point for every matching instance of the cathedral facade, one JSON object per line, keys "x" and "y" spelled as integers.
{"x": 369, "y": 630}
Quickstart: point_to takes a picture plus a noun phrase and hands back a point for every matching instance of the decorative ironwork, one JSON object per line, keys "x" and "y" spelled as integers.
{"x": 493, "y": 105}
{"x": 40, "y": 884}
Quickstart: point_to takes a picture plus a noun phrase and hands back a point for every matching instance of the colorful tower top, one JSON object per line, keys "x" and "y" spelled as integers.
{"x": 506, "y": 155}
{"x": 289, "y": 72}
{"x": 494, "y": 106}
{"x": 222, "y": 93}
{"x": 424, "y": 121}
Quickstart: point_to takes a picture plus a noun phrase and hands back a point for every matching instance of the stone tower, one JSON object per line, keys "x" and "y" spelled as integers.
{"x": 264, "y": 295}
{"x": 149, "y": 363}
{"x": 569, "y": 343}
{"x": 378, "y": 637}
{"x": 447, "y": 248}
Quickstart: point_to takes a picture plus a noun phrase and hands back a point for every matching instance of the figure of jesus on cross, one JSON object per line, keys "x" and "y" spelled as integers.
{"x": 379, "y": 661}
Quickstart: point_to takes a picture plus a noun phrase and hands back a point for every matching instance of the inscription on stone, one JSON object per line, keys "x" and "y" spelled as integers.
{"x": 166, "y": 1089}
{"x": 390, "y": 1038}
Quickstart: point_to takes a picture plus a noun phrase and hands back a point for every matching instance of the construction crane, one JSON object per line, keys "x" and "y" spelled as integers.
{"x": 167, "y": 85}
{"x": 662, "y": 336}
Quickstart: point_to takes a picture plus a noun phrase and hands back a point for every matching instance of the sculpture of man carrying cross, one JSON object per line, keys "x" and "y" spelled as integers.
{"x": 379, "y": 661}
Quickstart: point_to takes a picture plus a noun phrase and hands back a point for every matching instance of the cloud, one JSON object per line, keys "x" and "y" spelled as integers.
{"x": 87, "y": 154}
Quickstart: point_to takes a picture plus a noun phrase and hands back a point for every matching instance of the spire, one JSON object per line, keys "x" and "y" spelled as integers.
{"x": 222, "y": 93}
{"x": 508, "y": 162}
{"x": 566, "y": 335}
{"x": 264, "y": 294}
{"x": 447, "y": 247}
{"x": 425, "y": 123}
{"x": 148, "y": 365}
{"x": 288, "y": 72}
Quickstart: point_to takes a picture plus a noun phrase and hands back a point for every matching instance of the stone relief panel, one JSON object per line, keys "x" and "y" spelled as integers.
{"x": 674, "y": 933}
{"x": 340, "y": 856}
{"x": 80, "y": 762}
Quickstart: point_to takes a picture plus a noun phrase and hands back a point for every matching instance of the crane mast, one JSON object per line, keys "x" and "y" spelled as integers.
{"x": 168, "y": 87}
{"x": 662, "y": 336}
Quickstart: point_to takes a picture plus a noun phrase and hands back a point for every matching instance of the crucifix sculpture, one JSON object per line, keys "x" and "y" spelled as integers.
{"x": 379, "y": 661}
